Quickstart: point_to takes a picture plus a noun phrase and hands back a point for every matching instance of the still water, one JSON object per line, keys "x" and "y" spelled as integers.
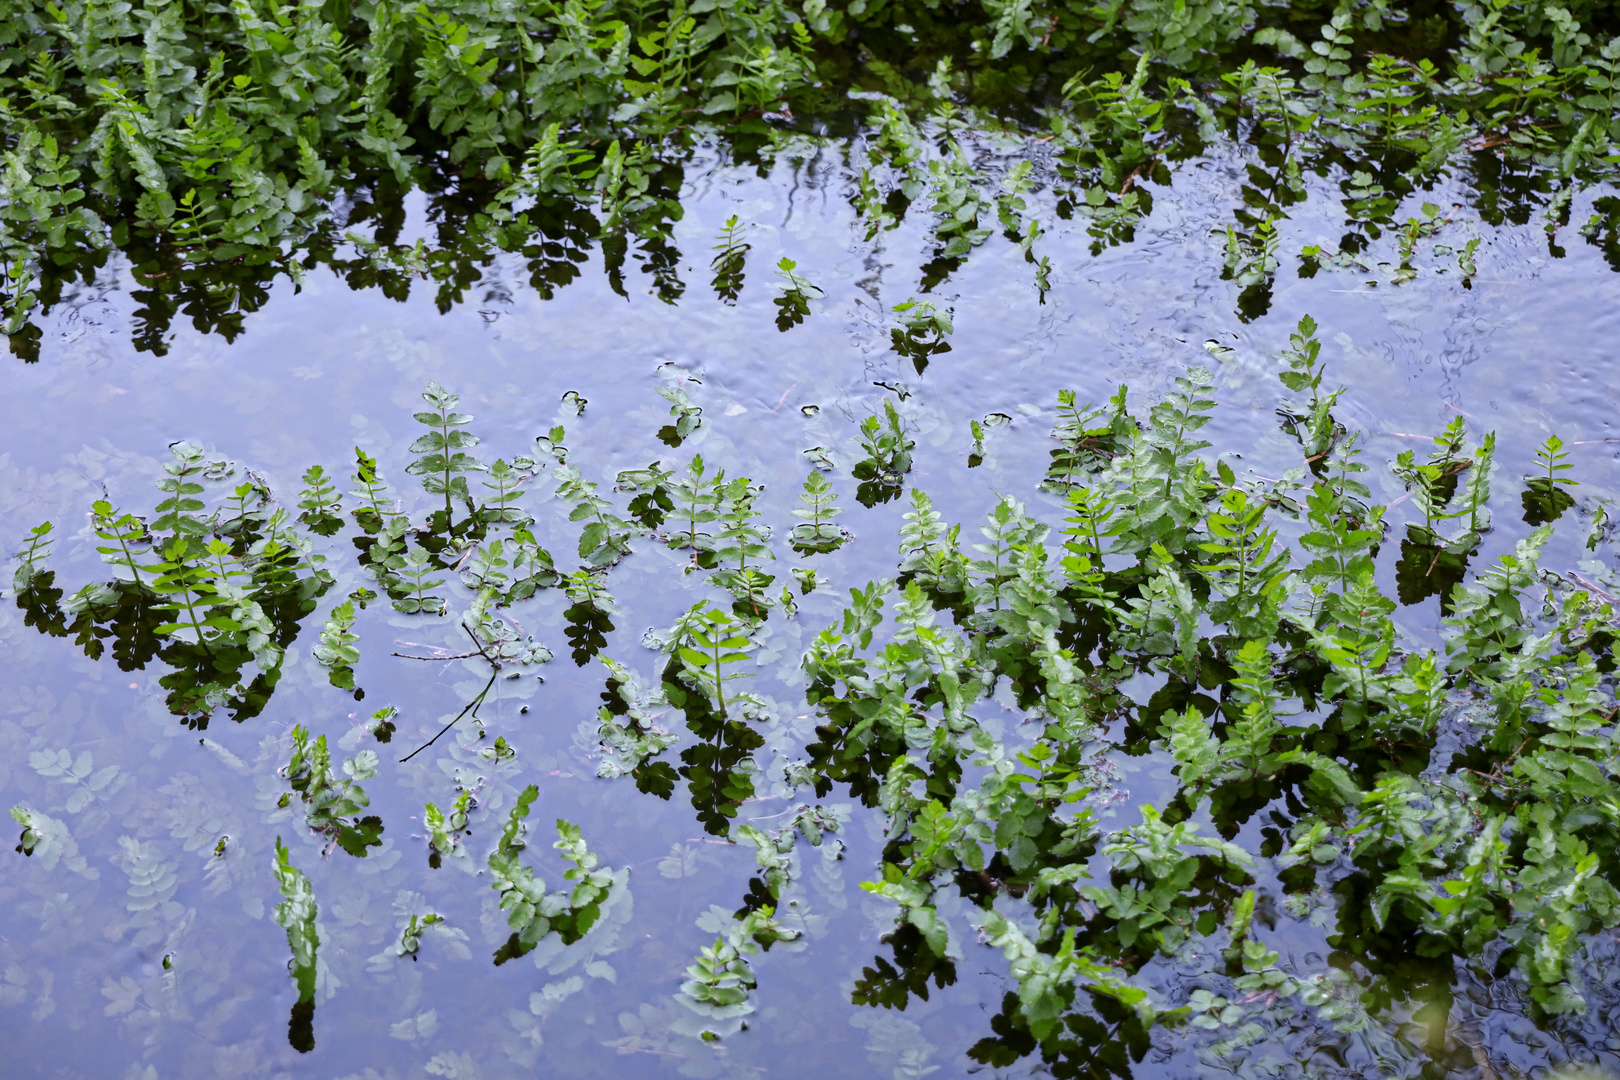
{"x": 142, "y": 953}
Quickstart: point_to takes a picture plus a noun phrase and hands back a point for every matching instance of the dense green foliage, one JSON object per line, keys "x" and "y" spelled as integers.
{"x": 1432, "y": 806}
{"x": 216, "y": 146}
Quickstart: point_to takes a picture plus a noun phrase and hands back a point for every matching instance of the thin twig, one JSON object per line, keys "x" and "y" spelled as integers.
{"x": 494, "y": 669}
{"x": 448, "y": 656}
{"x": 471, "y": 705}
{"x": 1591, "y": 587}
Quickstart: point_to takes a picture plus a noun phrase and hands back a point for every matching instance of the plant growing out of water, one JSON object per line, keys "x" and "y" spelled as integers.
{"x": 1545, "y": 497}
{"x": 445, "y": 831}
{"x": 730, "y": 260}
{"x": 604, "y": 539}
{"x": 333, "y": 806}
{"x": 717, "y": 642}
{"x": 1314, "y": 427}
{"x": 296, "y": 914}
{"x": 720, "y": 979}
{"x": 888, "y": 457}
{"x": 337, "y": 649}
{"x": 320, "y": 503}
{"x": 410, "y": 937}
{"x": 533, "y": 913}
{"x": 1452, "y": 800}
{"x": 981, "y": 430}
{"x": 372, "y": 492}
{"x": 922, "y": 332}
{"x": 698, "y": 497}
{"x": 652, "y": 502}
{"x": 167, "y": 147}
{"x": 816, "y": 533}
{"x": 793, "y": 305}
{"x": 687, "y": 417}
{"x": 210, "y": 594}
{"x": 442, "y": 464}
{"x": 741, "y": 537}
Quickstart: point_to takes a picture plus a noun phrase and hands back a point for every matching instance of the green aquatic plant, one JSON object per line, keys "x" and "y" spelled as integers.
{"x": 888, "y": 457}
{"x": 793, "y": 305}
{"x": 1146, "y": 597}
{"x": 730, "y": 260}
{"x": 333, "y": 806}
{"x": 51, "y": 842}
{"x": 320, "y": 503}
{"x": 604, "y": 539}
{"x": 296, "y": 914}
{"x": 213, "y": 597}
{"x": 720, "y": 978}
{"x": 337, "y": 649}
{"x": 441, "y": 463}
{"x": 816, "y": 533}
{"x": 410, "y": 938}
{"x": 533, "y": 913}
{"x": 214, "y": 150}
{"x": 445, "y": 831}
{"x": 717, "y": 641}
{"x": 1546, "y": 496}
{"x": 686, "y": 417}
{"x": 922, "y": 332}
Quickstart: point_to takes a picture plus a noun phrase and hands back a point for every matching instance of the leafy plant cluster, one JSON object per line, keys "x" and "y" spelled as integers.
{"x": 217, "y": 595}
{"x": 1453, "y": 803}
{"x": 217, "y": 149}
{"x": 1426, "y": 806}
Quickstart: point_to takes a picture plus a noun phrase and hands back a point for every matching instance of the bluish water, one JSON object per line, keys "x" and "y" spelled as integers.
{"x": 187, "y": 975}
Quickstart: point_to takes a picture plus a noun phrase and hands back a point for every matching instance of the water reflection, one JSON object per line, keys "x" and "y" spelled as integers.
{"x": 1140, "y": 319}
